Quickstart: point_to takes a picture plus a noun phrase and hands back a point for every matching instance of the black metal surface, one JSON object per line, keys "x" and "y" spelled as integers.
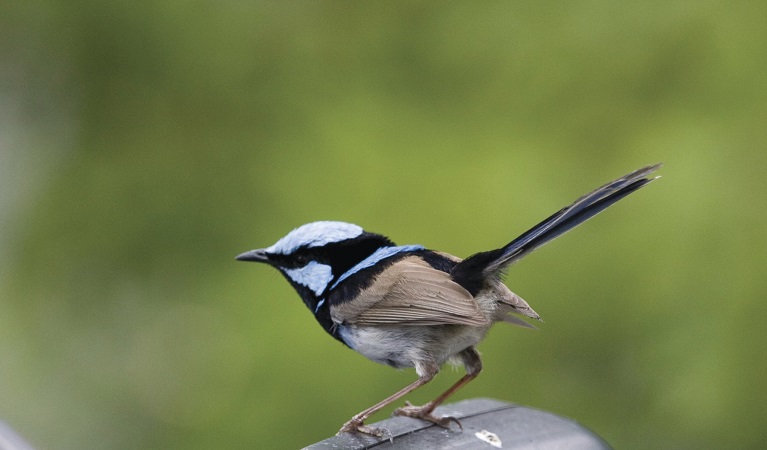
{"x": 516, "y": 427}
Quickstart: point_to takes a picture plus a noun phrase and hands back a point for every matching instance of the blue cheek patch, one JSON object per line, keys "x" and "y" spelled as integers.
{"x": 314, "y": 275}
{"x": 377, "y": 256}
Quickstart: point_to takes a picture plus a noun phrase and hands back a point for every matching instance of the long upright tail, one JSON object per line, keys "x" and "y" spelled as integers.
{"x": 472, "y": 271}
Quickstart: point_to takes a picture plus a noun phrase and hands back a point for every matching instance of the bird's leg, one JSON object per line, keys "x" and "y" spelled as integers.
{"x": 356, "y": 424}
{"x": 473, "y": 365}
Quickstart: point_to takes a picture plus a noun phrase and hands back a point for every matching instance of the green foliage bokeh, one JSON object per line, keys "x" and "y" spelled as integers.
{"x": 145, "y": 144}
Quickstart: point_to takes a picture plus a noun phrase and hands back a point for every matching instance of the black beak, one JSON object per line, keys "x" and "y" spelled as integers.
{"x": 258, "y": 255}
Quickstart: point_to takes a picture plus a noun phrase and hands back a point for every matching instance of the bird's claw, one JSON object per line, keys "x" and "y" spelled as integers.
{"x": 356, "y": 426}
{"x": 425, "y": 413}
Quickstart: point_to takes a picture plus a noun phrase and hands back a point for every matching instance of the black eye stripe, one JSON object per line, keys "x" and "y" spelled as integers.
{"x": 340, "y": 256}
{"x": 295, "y": 260}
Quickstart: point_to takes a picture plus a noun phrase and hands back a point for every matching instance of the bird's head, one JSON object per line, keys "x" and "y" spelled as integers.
{"x": 313, "y": 256}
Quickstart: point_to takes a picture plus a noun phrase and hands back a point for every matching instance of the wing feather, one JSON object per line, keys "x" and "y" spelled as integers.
{"x": 411, "y": 292}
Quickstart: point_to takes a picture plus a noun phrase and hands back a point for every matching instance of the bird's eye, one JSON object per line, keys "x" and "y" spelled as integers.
{"x": 301, "y": 260}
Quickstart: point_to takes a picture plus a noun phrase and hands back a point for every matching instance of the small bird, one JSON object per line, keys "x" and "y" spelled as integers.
{"x": 408, "y": 306}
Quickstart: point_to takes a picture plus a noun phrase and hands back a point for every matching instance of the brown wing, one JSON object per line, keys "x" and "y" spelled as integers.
{"x": 511, "y": 302}
{"x": 411, "y": 292}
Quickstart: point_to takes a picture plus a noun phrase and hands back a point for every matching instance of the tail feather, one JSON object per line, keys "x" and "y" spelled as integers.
{"x": 472, "y": 271}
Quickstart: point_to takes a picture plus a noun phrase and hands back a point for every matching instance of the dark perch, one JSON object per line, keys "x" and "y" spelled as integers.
{"x": 517, "y": 427}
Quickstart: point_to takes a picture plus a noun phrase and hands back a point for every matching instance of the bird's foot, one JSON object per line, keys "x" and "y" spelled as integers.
{"x": 425, "y": 413}
{"x": 356, "y": 426}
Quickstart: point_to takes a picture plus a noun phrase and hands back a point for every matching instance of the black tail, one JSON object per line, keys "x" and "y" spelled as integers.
{"x": 472, "y": 272}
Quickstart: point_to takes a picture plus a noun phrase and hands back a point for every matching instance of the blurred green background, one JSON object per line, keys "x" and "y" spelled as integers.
{"x": 145, "y": 144}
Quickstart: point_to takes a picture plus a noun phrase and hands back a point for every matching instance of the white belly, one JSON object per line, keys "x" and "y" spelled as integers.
{"x": 407, "y": 346}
